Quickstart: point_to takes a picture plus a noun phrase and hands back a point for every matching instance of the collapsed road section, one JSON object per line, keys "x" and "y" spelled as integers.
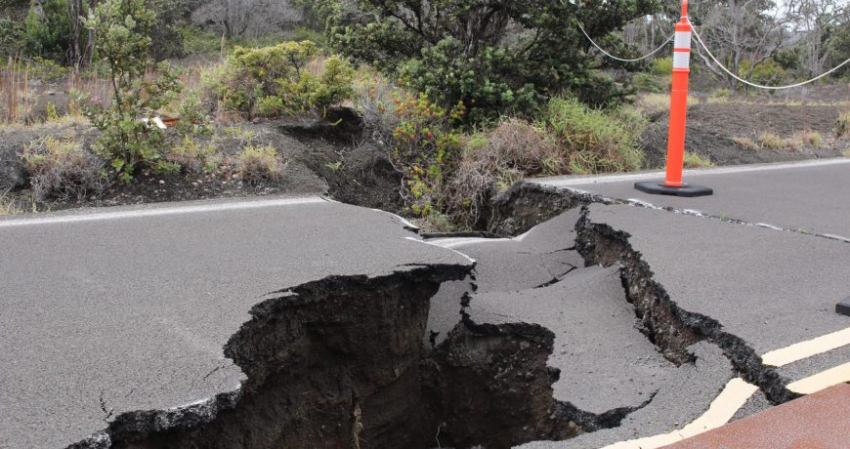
{"x": 278, "y": 323}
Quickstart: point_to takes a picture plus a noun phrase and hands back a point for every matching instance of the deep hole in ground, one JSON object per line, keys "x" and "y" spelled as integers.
{"x": 341, "y": 363}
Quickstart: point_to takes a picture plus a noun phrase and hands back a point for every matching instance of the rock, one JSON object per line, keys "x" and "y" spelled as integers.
{"x": 12, "y": 175}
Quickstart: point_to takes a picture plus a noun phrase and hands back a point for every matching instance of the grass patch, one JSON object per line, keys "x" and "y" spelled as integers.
{"x": 772, "y": 141}
{"x": 63, "y": 169}
{"x": 842, "y": 126}
{"x": 694, "y": 160}
{"x": 259, "y": 165}
{"x": 494, "y": 160}
{"x": 595, "y": 141}
{"x": 746, "y": 143}
{"x": 808, "y": 138}
{"x": 8, "y": 207}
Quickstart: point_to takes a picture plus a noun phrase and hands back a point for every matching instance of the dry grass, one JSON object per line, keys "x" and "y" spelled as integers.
{"x": 62, "y": 168}
{"x": 807, "y": 139}
{"x": 259, "y": 165}
{"x": 497, "y": 159}
{"x": 842, "y": 126}
{"x": 15, "y": 92}
{"x": 772, "y": 141}
{"x": 746, "y": 143}
{"x": 8, "y": 207}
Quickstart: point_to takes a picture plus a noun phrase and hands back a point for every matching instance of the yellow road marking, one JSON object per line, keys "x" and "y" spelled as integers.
{"x": 737, "y": 391}
{"x": 821, "y": 381}
{"x": 806, "y": 349}
{"x": 722, "y": 409}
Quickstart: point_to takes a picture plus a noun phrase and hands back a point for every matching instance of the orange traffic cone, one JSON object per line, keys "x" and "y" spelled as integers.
{"x": 673, "y": 185}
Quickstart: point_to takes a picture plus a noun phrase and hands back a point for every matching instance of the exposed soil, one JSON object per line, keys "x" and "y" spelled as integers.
{"x": 711, "y": 128}
{"x": 662, "y": 320}
{"x": 321, "y": 158}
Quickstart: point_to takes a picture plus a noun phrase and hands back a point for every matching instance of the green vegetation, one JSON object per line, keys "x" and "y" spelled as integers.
{"x": 259, "y": 165}
{"x": 595, "y": 141}
{"x": 694, "y": 160}
{"x": 47, "y": 29}
{"x": 11, "y": 37}
{"x": 62, "y": 168}
{"x": 287, "y": 79}
{"x": 123, "y": 28}
{"x": 500, "y": 57}
{"x": 422, "y": 147}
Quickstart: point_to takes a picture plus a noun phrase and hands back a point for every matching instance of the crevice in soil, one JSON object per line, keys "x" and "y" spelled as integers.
{"x": 661, "y": 319}
{"x": 340, "y": 363}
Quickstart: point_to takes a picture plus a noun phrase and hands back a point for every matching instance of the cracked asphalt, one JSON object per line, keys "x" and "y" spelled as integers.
{"x": 808, "y": 197}
{"x": 605, "y": 362}
{"x": 107, "y": 312}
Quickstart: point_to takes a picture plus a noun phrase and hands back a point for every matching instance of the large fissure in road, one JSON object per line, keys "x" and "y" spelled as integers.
{"x": 340, "y": 363}
{"x": 672, "y": 328}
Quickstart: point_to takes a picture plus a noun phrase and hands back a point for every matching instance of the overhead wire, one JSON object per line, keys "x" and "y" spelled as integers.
{"x": 617, "y": 58}
{"x": 760, "y": 86}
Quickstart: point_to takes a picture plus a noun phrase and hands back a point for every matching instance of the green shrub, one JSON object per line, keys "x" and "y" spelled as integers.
{"x": 423, "y": 147}
{"x": 662, "y": 66}
{"x": 62, "y": 169}
{"x": 842, "y": 126}
{"x": 768, "y": 72}
{"x": 164, "y": 167}
{"x": 497, "y": 57}
{"x": 123, "y": 29}
{"x": 199, "y": 40}
{"x": 47, "y": 29}
{"x": 259, "y": 165}
{"x": 648, "y": 82}
{"x": 12, "y": 39}
{"x": 194, "y": 157}
{"x": 277, "y": 80}
{"x": 594, "y": 141}
{"x": 335, "y": 84}
{"x": 194, "y": 120}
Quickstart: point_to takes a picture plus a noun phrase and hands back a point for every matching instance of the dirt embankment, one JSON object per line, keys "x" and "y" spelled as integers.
{"x": 713, "y": 126}
{"x": 325, "y": 157}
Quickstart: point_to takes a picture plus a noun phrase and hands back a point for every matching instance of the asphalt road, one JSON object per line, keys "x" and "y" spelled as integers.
{"x": 771, "y": 288}
{"x": 105, "y": 312}
{"x": 605, "y": 362}
{"x": 810, "y": 197}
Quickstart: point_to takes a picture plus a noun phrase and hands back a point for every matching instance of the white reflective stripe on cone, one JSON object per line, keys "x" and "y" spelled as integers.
{"x": 681, "y": 60}
{"x": 683, "y": 39}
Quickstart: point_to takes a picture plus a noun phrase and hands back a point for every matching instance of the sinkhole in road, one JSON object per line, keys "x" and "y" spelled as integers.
{"x": 340, "y": 363}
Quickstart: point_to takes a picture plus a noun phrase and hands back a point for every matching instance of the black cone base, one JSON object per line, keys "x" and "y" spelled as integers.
{"x": 687, "y": 190}
{"x": 843, "y": 307}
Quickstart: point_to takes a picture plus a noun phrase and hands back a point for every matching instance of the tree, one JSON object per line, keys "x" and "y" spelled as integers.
{"x": 123, "y": 29}
{"x": 494, "y": 56}
{"x": 743, "y": 34}
{"x": 81, "y": 40}
{"x": 47, "y": 29}
{"x": 822, "y": 26}
{"x": 247, "y": 18}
